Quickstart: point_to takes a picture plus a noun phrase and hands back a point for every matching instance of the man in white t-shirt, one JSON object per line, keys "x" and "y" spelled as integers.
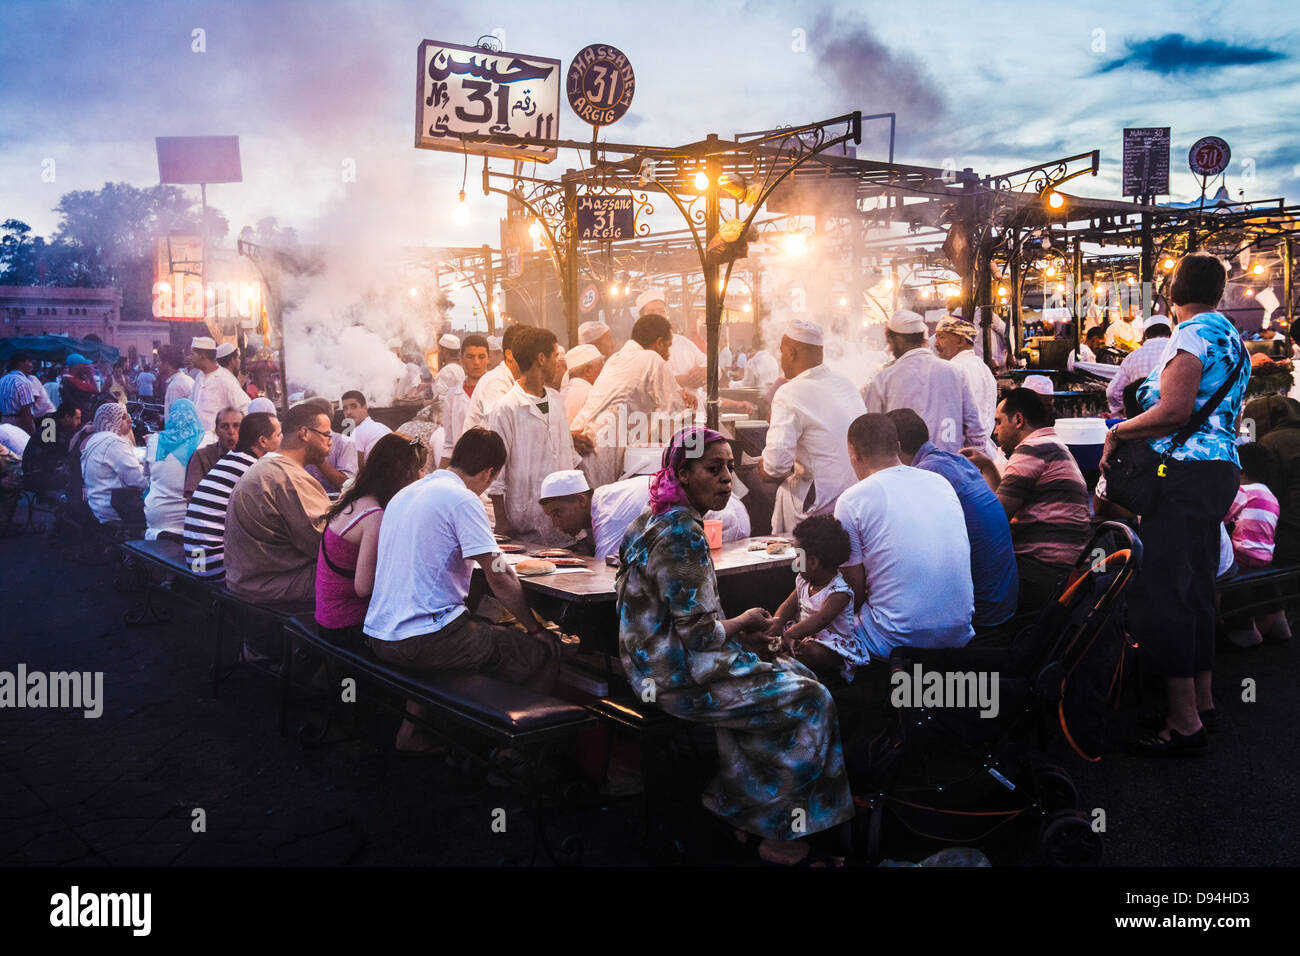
{"x": 176, "y": 382}
{"x": 434, "y": 532}
{"x": 365, "y": 430}
{"x": 910, "y": 558}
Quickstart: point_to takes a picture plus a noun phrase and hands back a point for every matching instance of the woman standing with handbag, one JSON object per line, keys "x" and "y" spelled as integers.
{"x": 1172, "y": 610}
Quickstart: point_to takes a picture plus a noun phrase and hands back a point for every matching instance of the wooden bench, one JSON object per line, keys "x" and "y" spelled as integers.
{"x": 501, "y": 713}
{"x": 1282, "y": 580}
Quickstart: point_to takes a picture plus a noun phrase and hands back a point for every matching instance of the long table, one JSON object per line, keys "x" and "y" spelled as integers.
{"x": 595, "y": 584}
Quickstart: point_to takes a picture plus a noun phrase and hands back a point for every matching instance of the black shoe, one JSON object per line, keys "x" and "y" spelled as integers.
{"x": 1210, "y": 719}
{"x": 1177, "y": 745}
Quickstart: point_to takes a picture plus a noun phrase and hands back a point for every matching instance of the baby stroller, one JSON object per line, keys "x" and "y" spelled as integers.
{"x": 947, "y": 775}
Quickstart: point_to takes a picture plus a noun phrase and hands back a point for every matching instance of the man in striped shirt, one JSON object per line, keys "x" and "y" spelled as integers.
{"x": 17, "y": 397}
{"x": 1043, "y": 493}
{"x": 1138, "y": 364}
{"x": 205, "y": 516}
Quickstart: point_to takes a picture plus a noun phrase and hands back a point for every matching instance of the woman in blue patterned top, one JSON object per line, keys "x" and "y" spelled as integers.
{"x": 781, "y": 772}
{"x": 1172, "y": 611}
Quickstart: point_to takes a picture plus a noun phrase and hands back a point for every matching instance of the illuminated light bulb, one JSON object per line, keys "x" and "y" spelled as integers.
{"x": 461, "y": 215}
{"x": 888, "y": 283}
{"x": 1250, "y": 292}
{"x": 1131, "y": 281}
{"x": 701, "y": 180}
{"x": 535, "y": 230}
{"x": 1002, "y": 291}
{"x": 613, "y": 289}
{"x": 844, "y": 301}
{"x": 1060, "y": 287}
{"x": 1055, "y": 200}
{"x": 627, "y": 289}
{"x": 796, "y": 243}
{"x": 748, "y": 307}
{"x": 1050, "y": 270}
{"x": 1169, "y": 264}
{"x": 414, "y": 292}
{"x": 1257, "y": 269}
{"x": 722, "y": 284}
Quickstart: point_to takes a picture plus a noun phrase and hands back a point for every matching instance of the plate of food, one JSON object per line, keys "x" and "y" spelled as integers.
{"x": 553, "y": 553}
{"x": 570, "y": 562}
{"x": 532, "y": 567}
{"x": 512, "y": 548}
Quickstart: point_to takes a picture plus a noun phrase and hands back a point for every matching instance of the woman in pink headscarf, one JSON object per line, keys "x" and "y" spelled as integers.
{"x": 781, "y": 772}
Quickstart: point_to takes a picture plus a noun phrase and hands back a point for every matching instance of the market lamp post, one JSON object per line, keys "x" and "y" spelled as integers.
{"x": 712, "y": 294}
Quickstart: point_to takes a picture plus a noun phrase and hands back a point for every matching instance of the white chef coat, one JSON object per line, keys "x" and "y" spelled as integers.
{"x": 367, "y": 433}
{"x": 575, "y": 396}
{"x": 935, "y": 390}
{"x": 684, "y": 355}
{"x": 635, "y": 377}
{"x": 811, "y": 415}
{"x": 455, "y": 406}
{"x": 984, "y": 390}
{"x": 1122, "y": 330}
{"x": 537, "y": 444}
{"x": 724, "y": 357}
{"x": 214, "y": 392}
{"x": 762, "y": 370}
{"x": 179, "y": 385}
{"x": 489, "y": 390}
{"x": 450, "y": 376}
{"x": 615, "y": 506}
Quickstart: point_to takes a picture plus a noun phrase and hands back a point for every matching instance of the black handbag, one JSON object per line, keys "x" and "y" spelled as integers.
{"x": 1133, "y": 469}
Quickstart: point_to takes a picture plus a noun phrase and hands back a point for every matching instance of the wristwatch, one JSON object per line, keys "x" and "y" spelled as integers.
{"x": 1114, "y": 431}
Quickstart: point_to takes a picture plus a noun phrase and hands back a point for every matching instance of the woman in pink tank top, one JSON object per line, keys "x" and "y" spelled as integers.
{"x": 349, "y": 548}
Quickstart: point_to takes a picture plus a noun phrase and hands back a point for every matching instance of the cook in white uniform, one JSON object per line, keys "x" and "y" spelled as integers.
{"x": 585, "y": 363}
{"x": 954, "y": 340}
{"x": 492, "y": 387}
{"x": 216, "y": 388}
{"x": 807, "y": 441}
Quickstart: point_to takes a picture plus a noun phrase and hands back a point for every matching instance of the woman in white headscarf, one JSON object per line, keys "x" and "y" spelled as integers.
{"x": 169, "y": 457}
{"x": 109, "y": 463}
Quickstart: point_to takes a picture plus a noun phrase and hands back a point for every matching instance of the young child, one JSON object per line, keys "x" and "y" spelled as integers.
{"x": 815, "y": 623}
{"x": 1252, "y": 522}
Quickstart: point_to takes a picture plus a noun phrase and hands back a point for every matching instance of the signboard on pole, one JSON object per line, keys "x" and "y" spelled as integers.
{"x": 589, "y": 297}
{"x": 600, "y": 84}
{"x": 465, "y": 89}
{"x": 1146, "y": 161}
{"x": 1209, "y": 156}
{"x": 605, "y": 218}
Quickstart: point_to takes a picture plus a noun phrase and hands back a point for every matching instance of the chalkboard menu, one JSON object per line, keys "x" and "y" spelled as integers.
{"x": 1146, "y": 161}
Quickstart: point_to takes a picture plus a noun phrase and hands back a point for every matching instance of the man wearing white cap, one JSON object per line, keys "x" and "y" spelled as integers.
{"x": 606, "y": 514}
{"x": 496, "y": 353}
{"x": 450, "y": 374}
{"x": 807, "y": 441}
{"x": 597, "y": 334}
{"x": 216, "y": 388}
{"x": 920, "y": 380}
{"x": 954, "y": 341}
{"x": 584, "y": 362}
{"x": 630, "y": 400}
{"x": 1139, "y": 363}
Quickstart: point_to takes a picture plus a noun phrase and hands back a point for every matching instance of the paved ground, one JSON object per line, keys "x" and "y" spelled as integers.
{"x": 122, "y": 789}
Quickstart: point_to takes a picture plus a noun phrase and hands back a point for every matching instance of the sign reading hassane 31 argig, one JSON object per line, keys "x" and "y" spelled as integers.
{"x": 600, "y": 84}
{"x": 465, "y": 89}
{"x": 605, "y": 218}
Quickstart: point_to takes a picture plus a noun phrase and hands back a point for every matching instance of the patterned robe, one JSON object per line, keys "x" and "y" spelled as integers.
{"x": 781, "y": 771}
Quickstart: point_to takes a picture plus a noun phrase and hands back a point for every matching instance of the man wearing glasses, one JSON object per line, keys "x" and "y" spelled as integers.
{"x": 277, "y": 514}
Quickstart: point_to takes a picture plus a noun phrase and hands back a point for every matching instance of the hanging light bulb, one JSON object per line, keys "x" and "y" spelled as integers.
{"x": 461, "y": 215}
{"x": 796, "y": 243}
{"x": 1257, "y": 269}
{"x": 535, "y": 230}
{"x": 414, "y": 292}
{"x": 701, "y": 180}
{"x": 1050, "y": 271}
{"x": 1169, "y": 263}
{"x": 1002, "y": 291}
{"x": 1250, "y": 292}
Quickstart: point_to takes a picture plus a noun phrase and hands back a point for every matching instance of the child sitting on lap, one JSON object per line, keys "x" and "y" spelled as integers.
{"x": 821, "y": 606}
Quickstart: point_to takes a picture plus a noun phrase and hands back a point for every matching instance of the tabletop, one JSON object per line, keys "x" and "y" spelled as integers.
{"x": 596, "y": 583}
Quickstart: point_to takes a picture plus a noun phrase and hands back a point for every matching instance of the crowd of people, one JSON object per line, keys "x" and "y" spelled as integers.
{"x": 928, "y": 512}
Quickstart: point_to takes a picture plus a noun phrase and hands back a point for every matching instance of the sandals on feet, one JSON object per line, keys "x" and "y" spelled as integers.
{"x": 1178, "y": 745}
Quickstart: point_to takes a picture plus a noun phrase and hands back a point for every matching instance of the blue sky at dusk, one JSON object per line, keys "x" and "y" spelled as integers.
{"x": 309, "y": 86}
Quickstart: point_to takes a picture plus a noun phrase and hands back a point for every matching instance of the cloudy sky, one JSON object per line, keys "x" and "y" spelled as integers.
{"x": 311, "y": 87}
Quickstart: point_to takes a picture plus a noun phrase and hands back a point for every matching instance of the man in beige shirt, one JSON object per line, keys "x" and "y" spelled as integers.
{"x": 277, "y": 515}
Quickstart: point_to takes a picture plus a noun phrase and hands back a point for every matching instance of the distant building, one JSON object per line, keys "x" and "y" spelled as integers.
{"x": 94, "y": 314}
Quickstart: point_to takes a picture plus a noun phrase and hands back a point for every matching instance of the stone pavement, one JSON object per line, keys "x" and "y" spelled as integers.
{"x": 121, "y": 790}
